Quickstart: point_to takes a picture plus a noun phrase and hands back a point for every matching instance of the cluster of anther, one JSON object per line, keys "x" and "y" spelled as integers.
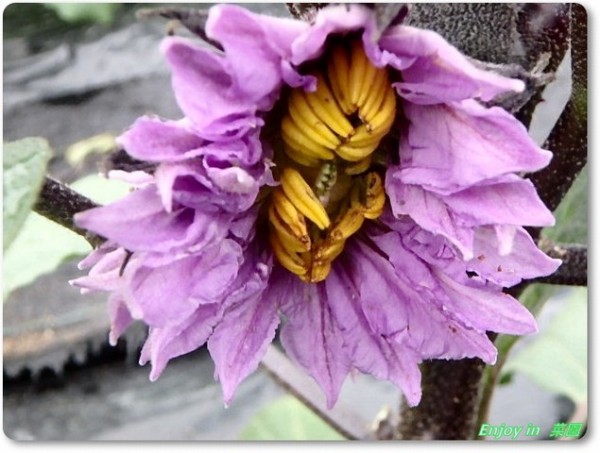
{"x": 331, "y": 157}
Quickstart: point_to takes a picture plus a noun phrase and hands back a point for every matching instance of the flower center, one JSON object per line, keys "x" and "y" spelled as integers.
{"x": 329, "y": 138}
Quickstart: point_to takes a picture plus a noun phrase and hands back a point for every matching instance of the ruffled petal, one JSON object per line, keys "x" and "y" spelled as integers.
{"x": 166, "y": 343}
{"x": 138, "y": 222}
{"x": 524, "y": 261}
{"x": 450, "y": 148}
{"x": 487, "y": 310}
{"x": 154, "y": 140}
{"x": 255, "y": 46}
{"x": 104, "y": 275}
{"x": 120, "y": 317}
{"x": 440, "y": 73}
{"x": 199, "y": 186}
{"x": 513, "y": 202}
{"x": 422, "y": 300}
{"x": 370, "y": 352}
{"x": 207, "y": 92}
{"x": 310, "y": 334}
{"x": 431, "y": 213}
{"x": 185, "y": 283}
{"x": 151, "y": 287}
{"x": 248, "y": 326}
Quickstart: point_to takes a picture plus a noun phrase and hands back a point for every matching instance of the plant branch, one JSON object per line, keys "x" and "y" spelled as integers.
{"x": 60, "y": 203}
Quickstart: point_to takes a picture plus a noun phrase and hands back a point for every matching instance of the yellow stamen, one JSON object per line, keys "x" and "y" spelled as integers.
{"x": 290, "y": 261}
{"x": 289, "y": 241}
{"x": 289, "y": 214}
{"x": 356, "y": 168}
{"x": 303, "y": 197}
{"x": 326, "y": 107}
{"x": 375, "y": 196}
{"x": 331, "y": 155}
{"x": 358, "y": 71}
{"x": 296, "y": 140}
{"x": 349, "y": 224}
{"x": 308, "y": 121}
{"x": 338, "y": 70}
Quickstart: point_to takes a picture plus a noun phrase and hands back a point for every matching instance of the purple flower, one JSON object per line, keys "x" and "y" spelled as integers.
{"x": 352, "y": 191}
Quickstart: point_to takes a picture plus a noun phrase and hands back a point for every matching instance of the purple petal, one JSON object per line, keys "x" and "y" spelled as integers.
{"x": 248, "y": 326}
{"x": 104, "y": 275}
{"x": 138, "y": 222}
{"x": 166, "y": 343}
{"x": 207, "y": 92}
{"x": 168, "y": 294}
{"x": 431, "y": 213}
{"x": 330, "y": 20}
{"x": 487, "y": 310}
{"x": 369, "y": 351}
{"x": 161, "y": 295}
{"x": 506, "y": 237}
{"x": 154, "y": 140}
{"x": 137, "y": 179}
{"x": 514, "y": 203}
{"x": 450, "y": 148}
{"x": 194, "y": 185}
{"x": 440, "y": 73}
{"x": 311, "y": 336}
{"x": 120, "y": 317}
{"x": 422, "y": 300}
{"x": 255, "y": 46}
{"x": 525, "y": 260}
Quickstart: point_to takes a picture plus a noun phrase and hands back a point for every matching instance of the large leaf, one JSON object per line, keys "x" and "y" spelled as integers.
{"x": 288, "y": 419}
{"x": 40, "y": 247}
{"x": 557, "y": 358}
{"x": 24, "y": 165}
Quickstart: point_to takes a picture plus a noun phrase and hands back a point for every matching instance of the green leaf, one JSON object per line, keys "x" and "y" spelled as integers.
{"x": 24, "y": 166}
{"x": 101, "y": 190}
{"x": 38, "y": 250}
{"x": 557, "y": 358}
{"x": 288, "y": 419}
{"x": 571, "y": 215}
{"x": 103, "y": 13}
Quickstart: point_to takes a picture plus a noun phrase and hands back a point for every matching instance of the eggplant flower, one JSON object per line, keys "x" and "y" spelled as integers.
{"x": 345, "y": 185}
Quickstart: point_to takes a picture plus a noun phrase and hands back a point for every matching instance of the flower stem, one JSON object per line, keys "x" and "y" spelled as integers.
{"x": 448, "y": 408}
